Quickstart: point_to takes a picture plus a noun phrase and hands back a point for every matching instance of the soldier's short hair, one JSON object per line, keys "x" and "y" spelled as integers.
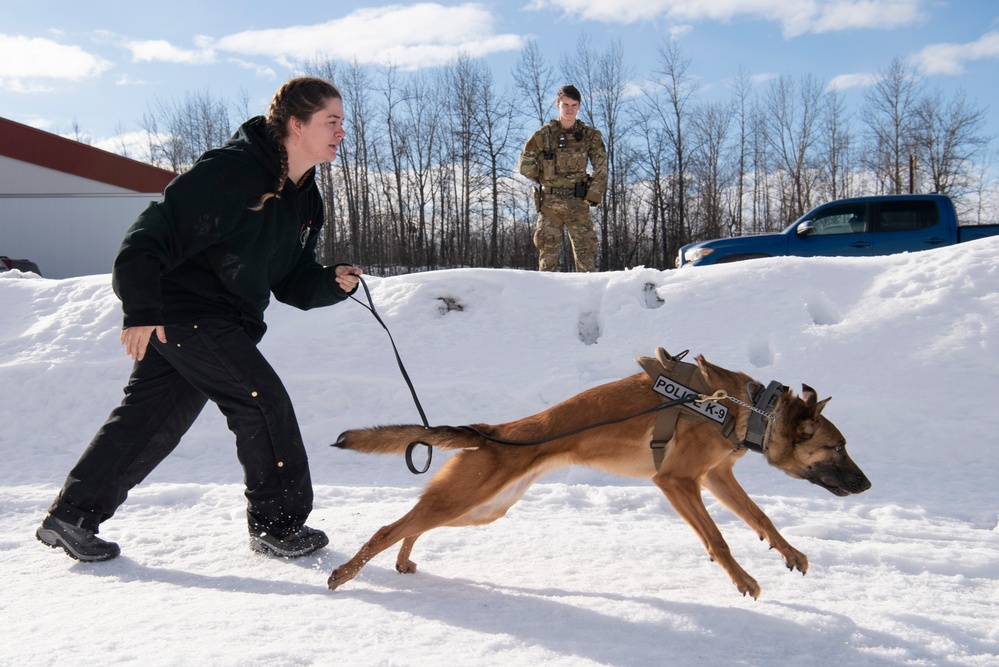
{"x": 568, "y": 91}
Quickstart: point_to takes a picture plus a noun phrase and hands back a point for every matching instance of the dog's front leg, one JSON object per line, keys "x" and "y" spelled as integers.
{"x": 402, "y": 563}
{"x": 722, "y": 484}
{"x": 381, "y": 540}
{"x": 685, "y": 496}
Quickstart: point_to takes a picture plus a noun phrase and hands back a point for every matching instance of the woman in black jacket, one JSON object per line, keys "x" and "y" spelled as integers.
{"x": 194, "y": 275}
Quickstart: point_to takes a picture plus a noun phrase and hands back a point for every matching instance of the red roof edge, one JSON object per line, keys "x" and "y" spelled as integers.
{"x": 29, "y": 144}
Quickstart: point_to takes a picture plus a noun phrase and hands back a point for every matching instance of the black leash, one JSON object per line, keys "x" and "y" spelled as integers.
{"x": 426, "y": 424}
{"x": 370, "y": 307}
{"x": 530, "y": 443}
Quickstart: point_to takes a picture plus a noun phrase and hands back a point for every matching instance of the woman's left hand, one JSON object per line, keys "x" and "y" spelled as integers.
{"x": 347, "y": 277}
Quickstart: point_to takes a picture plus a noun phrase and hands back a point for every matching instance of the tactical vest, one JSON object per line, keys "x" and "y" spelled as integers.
{"x": 565, "y": 153}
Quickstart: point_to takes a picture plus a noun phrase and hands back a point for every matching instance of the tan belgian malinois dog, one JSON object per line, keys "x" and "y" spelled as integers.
{"x": 482, "y": 481}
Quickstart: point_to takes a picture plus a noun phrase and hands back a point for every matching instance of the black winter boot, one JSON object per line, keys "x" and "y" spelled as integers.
{"x": 302, "y": 542}
{"x": 79, "y": 543}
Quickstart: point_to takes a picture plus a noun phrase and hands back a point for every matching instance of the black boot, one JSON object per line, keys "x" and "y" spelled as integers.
{"x": 301, "y": 542}
{"x": 80, "y": 543}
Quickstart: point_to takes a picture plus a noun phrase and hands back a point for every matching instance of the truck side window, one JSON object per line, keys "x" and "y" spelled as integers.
{"x": 905, "y": 216}
{"x": 849, "y": 219}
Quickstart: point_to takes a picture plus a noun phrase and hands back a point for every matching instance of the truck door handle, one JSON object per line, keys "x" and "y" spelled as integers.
{"x": 860, "y": 244}
{"x": 935, "y": 240}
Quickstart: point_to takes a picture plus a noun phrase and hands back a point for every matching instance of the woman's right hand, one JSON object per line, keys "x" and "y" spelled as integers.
{"x": 136, "y": 340}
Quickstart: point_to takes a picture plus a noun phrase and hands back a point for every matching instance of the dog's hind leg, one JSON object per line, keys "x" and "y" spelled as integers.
{"x": 723, "y": 485}
{"x": 470, "y": 479}
{"x": 479, "y": 515}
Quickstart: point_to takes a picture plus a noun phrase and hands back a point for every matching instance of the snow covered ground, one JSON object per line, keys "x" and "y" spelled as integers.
{"x": 587, "y": 569}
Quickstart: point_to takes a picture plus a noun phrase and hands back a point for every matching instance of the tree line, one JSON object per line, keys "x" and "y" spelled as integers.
{"x": 426, "y": 177}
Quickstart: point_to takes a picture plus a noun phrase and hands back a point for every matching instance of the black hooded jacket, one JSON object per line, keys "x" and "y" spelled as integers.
{"x": 202, "y": 252}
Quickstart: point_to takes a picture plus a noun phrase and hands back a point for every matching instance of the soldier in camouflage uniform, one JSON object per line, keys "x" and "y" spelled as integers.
{"x": 555, "y": 158}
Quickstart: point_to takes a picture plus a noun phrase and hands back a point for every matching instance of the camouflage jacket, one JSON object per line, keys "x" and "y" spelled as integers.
{"x": 546, "y": 163}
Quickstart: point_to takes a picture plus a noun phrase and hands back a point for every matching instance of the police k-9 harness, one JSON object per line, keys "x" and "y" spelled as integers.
{"x": 682, "y": 384}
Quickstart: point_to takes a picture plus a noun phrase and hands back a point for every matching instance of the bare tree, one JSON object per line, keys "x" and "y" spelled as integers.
{"x": 835, "y": 144}
{"x": 654, "y": 168}
{"x": 986, "y": 188}
{"x": 120, "y": 144}
{"x": 678, "y": 90}
{"x": 421, "y": 126}
{"x": 742, "y": 117}
{"x": 535, "y": 80}
{"x": 711, "y": 123}
{"x": 190, "y": 127}
{"x": 611, "y": 79}
{"x": 493, "y": 121}
{"x": 464, "y": 76}
{"x": 792, "y": 110}
{"x": 889, "y": 114}
{"x": 950, "y": 136}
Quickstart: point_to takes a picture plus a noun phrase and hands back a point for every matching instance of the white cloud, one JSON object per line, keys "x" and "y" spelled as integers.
{"x": 158, "y": 50}
{"x": 763, "y": 78}
{"x": 259, "y": 70}
{"x": 126, "y": 80}
{"x": 38, "y": 122}
{"x": 847, "y": 81}
{"x": 413, "y": 36}
{"x": 951, "y": 58}
{"x": 32, "y": 64}
{"x": 796, "y": 17}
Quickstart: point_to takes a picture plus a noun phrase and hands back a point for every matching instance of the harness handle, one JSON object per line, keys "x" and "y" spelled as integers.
{"x": 370, "y": 307}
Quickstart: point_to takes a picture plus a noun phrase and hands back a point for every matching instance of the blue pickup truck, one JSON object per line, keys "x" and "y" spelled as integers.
{"x": 849, "y": 228}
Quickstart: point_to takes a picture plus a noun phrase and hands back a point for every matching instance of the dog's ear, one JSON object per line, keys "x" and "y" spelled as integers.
{"x": 810, "y": 397}
{"x": 708, "y": 369}
{"x": 805, "y": 430}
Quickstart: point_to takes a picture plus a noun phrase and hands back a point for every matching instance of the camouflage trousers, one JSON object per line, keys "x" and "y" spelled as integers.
{"x": 573, "y": 214}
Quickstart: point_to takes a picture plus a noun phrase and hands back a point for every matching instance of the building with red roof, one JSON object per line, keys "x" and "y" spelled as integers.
{"x": 65, "y": 205}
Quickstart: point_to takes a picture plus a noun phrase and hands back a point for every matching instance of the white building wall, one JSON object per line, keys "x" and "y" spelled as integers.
{"x": 68, "y": 235}
{"x": 68, "y": 225}
{"x": 22, "y": 178}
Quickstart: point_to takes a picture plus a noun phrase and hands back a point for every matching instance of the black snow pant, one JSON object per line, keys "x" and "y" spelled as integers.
{"x": 209, "y": 360}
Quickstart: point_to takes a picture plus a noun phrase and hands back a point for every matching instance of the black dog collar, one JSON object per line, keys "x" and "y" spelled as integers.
{"x": 764, "y": 402}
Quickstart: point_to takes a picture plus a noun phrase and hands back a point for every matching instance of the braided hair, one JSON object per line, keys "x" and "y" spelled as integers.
{"x": 298, "y": 98}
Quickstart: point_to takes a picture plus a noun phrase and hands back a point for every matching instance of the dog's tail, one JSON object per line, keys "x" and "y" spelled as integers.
{"x": 395, "y": 439}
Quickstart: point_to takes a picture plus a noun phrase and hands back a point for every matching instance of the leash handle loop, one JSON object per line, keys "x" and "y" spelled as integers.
{"x": 402, "y": 368}
{"x": 370, "y": 307}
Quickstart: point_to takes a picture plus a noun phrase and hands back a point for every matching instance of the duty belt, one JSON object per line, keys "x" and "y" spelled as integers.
{"x": 565, "y": 192}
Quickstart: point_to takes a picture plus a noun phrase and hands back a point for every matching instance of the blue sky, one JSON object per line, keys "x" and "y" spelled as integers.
{"x": 103, "y": 65}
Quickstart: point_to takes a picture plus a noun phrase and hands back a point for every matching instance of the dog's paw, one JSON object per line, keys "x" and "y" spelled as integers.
{"x": 748, "y": 586}
{"x": 795, "y": 560}
{"x": 405, "y": 567}
{"x": 337, "y": 579}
